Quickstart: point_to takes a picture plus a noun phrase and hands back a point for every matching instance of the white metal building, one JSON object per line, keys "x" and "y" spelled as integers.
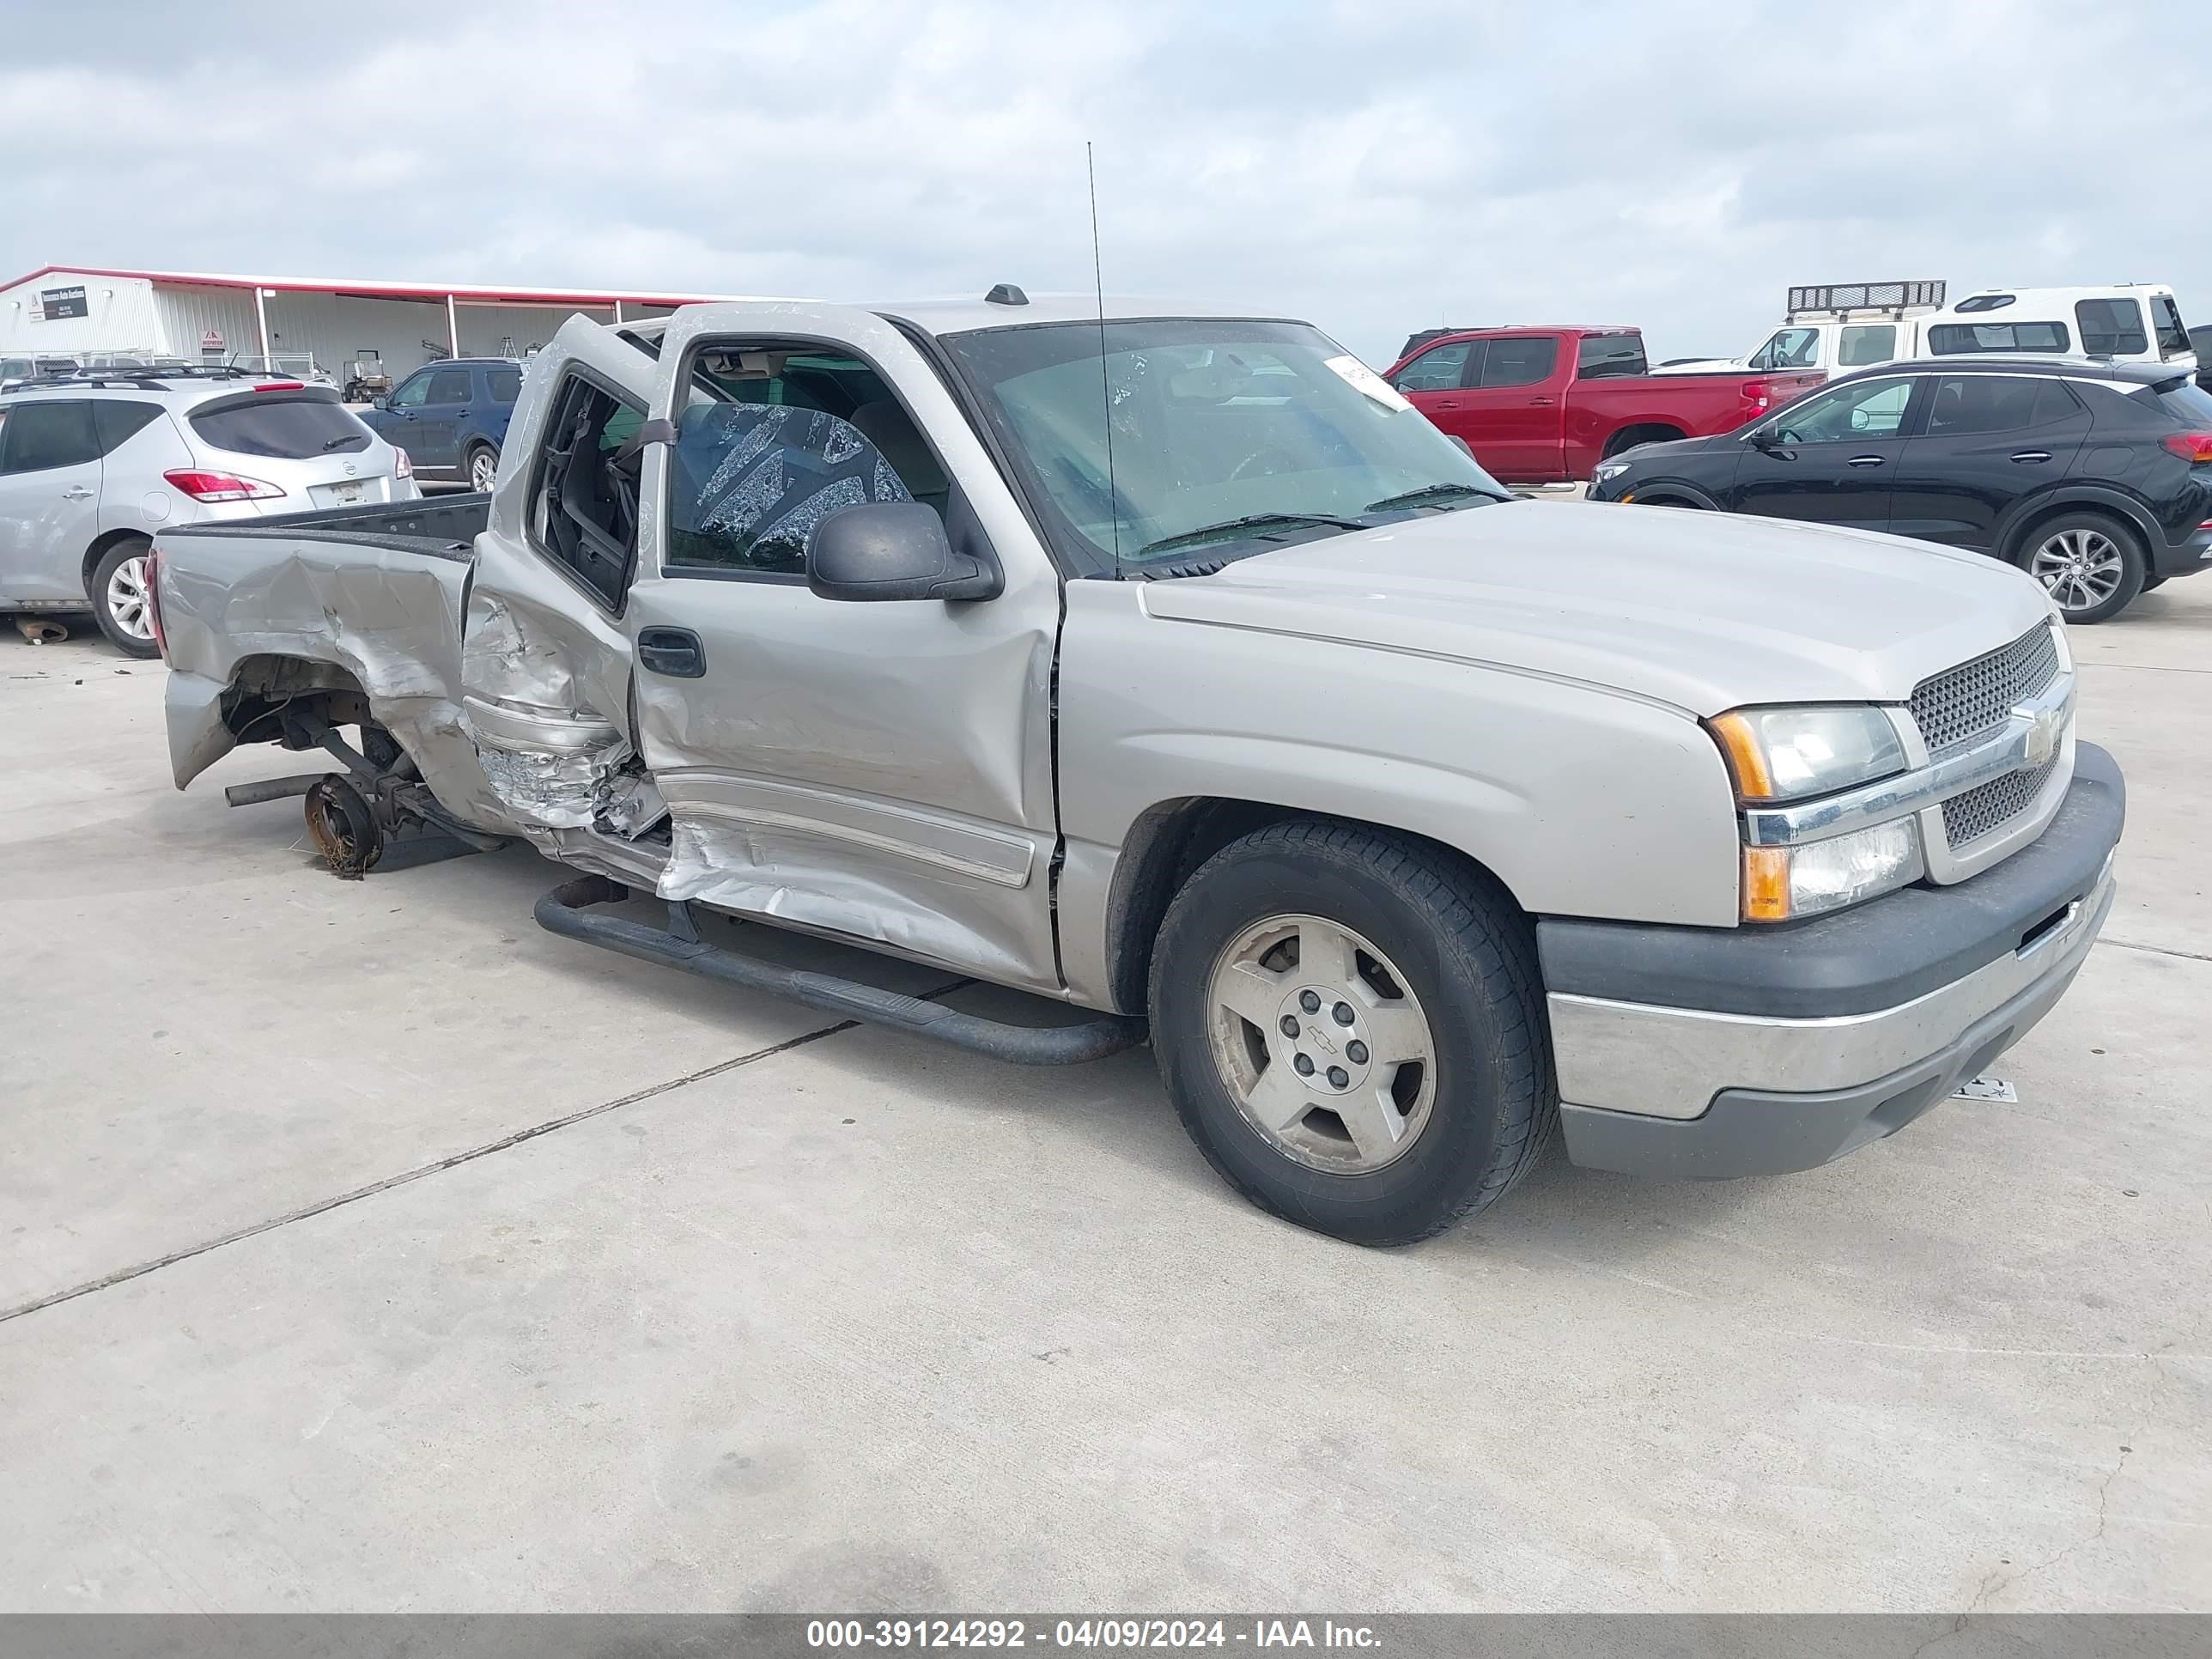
{"x": 70, "y": 310}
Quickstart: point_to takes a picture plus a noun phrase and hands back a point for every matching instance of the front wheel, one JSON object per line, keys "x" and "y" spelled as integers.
{"x": 483, "y": 470}
{"x": 2092, "y": 566}
{"x": 1349, "y": 1025}
{"x": 122, "y": 600}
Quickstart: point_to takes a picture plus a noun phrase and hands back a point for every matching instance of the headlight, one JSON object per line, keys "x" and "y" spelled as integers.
{"x": 1781, "y": 883}
{"x": 1786, "y": 753}
{"x": 1608, "y": 470}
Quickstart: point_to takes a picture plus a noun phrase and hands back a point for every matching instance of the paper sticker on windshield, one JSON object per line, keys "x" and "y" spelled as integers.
{"x": 1365, "y": 381}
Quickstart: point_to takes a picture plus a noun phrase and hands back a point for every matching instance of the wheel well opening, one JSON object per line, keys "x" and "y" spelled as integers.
{"x": 1650, "y": 432}
{"x": 263, "y": 688}
{"x": 2023, "y": 538}
{"x": 1165, "y": 848}
{"x": 103, "y": 547}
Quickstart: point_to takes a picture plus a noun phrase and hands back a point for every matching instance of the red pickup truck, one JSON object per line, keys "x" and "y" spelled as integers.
{"x": 1545, "y": 406}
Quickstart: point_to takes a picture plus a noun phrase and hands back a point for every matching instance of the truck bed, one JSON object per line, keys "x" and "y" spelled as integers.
{"x": 444, "y": 528}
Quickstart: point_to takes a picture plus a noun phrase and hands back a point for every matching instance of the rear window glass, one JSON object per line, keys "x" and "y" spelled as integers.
{"x": 2111, "y": 328}
{"x": 1604, "y": 354}
{"x": 1964, "y": 404}
{"x": 2185, "y": 400}
{"x": 506, "y": 384}
{"x": 290, "y": 429}
{"x": 1951, "y": 339}
{"x": 2165, "y": 319}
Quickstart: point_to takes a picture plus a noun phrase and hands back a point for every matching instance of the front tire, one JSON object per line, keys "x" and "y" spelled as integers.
{"x": 1424, "y": 1105}
{"x": 121, "y": 598}
{"x": 2091, "y": 564}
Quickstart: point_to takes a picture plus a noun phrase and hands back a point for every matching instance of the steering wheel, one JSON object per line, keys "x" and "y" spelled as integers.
{"x": 1279, "y": 460}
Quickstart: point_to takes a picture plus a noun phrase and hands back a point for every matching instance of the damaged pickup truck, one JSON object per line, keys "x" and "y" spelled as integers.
{"x": 1174, "y": 667}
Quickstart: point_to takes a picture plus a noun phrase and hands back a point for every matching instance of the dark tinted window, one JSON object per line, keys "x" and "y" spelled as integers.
{"x": 1438, "y": 370}
{"x": 2185, "y": 400}
{"x": 116, "y": 420}
{"x": 1968, "y": 403}
{"x": 506, "y": 384}
{"x": 449, "y": 386}
{"x": 2166, "y": 321}
{"x": 289, "y": 426}
{"x": 409, "y": 394}
{"x": 1603, "y": 355}
{"x": 1520, "y": 361}
{"x": 1951, "y": 339}
{"x": 583, "y": 497}
{"x": 2111, "y": 327}
{"x": 39, "y": 435}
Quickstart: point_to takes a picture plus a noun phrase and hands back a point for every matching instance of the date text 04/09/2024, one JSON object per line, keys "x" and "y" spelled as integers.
{"x": 1087, "y": 1633}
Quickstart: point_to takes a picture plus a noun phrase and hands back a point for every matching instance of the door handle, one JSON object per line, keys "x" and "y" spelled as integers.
{"x": 2032, "y": 455}
{"x": 1866, "y": 461}
{"x": 1541, "y": 403}
{"x": 675, "y": 652}
{"x": 76, "y": 493}
{"x": 1453, "y": 403}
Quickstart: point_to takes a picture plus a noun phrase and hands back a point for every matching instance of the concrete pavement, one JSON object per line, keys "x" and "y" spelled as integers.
{"x": 788, "y": 1315}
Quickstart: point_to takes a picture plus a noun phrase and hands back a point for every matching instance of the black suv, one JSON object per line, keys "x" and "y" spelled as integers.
{"x": 2095, "y": 478}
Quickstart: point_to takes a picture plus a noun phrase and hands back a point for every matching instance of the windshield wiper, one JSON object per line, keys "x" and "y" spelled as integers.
{"x": 1435, "y": 492}
{"x": 1250, "y": 521}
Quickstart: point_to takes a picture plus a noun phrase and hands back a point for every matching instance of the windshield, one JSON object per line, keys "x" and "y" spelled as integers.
{"x": 1226, "y": 438}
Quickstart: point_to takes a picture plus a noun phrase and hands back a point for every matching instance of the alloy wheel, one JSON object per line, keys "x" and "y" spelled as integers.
{"x": 1321, "y": 1044}
{"x": 2080, "y": 569}
{"x": 126, "y": 598}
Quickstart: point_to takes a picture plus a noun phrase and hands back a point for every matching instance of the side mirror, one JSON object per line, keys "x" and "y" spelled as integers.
{"x": 1766, "y": 442}
{"x": 379, "y": 403}
{"x": 893, "y": 550}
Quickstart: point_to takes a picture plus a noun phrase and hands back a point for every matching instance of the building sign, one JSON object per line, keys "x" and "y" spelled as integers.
{"x": 212, "y": 340}
{"x": 59, "y": 302}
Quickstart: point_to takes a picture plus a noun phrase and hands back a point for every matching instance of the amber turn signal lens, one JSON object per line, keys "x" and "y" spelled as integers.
{"x": 1747, "y": 760}
{"x": 1767, "y": 883}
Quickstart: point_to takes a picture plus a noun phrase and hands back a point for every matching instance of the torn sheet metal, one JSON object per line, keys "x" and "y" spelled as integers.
{"x": 387, "y": 617}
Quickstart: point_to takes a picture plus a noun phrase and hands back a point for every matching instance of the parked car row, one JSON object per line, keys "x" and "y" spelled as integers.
{"x": 94, "y": 463}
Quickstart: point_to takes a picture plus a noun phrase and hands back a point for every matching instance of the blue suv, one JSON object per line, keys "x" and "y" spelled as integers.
{"x": 450, "y": 417}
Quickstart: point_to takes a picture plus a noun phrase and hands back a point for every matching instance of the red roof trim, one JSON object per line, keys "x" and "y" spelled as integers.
{"x": 461, "y": 292}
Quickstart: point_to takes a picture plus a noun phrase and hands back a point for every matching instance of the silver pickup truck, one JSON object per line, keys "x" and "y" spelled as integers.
{"x": 1173, "y": 667}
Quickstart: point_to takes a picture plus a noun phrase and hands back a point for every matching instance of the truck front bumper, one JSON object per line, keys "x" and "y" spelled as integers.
{"x": 1688, "y": 1053}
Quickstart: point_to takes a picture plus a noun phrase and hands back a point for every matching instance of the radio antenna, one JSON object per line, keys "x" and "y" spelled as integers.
{"x": 1105, "y": 393}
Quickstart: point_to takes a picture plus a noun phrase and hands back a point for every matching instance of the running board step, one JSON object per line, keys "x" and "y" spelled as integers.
{"x": 564, "y": 911}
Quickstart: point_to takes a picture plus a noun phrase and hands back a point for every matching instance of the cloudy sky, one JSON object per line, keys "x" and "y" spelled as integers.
{"x": 1376, "y": 168}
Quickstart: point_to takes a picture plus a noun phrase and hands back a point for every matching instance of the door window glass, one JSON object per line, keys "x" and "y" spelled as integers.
{"x": 42, "y": 436}
{"x": 1953, "y": 339}
{"x": 410, "y": 395}
{"x": 1872, "y": 409}
{"x": 449, "y": 386}
{"x": 583, "y": 496}
{"x": 1862, "y": 344}
{"x": 1440, "y": 370}
{"x": 116, "y": 420}
{"x": 749, "y": 482}
{"x": 1791, "y": 348}
{"x": 1524, "y": 361}
{"x": 1968, "y": 404}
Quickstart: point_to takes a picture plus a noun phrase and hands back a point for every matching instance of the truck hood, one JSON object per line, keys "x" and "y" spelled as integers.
{"x": 1704, "y": 611}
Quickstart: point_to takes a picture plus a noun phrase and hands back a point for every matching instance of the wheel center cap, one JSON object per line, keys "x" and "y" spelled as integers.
{"x": 1328, "y": 1051}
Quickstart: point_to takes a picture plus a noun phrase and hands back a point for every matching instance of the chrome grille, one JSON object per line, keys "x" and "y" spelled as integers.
{"x": 1963, "y": 701}
{"x": 1968, "y": 817}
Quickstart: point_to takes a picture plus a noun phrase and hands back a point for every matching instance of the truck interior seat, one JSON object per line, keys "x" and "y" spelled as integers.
{"x": 892, "y": 431}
